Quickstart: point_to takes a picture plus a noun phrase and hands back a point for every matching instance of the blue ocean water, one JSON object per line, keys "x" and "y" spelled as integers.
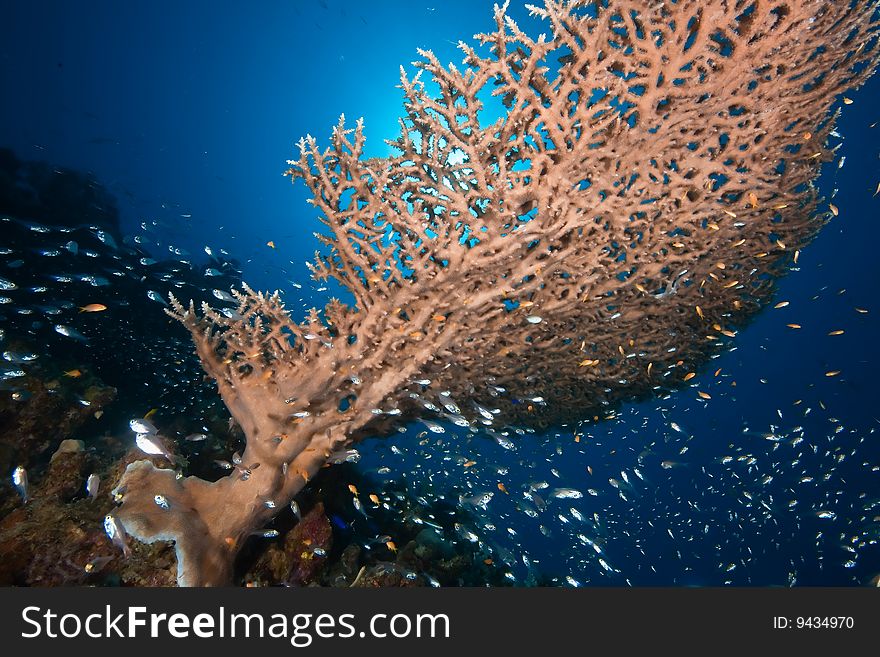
{"x": 187, "y": 113}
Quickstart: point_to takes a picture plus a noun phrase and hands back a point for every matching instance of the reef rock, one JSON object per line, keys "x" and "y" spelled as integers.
{"x": 301, "y": 557}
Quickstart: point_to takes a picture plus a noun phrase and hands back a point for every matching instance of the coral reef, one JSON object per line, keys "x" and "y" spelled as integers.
{"x": 649, "y": 180}
{"x": 57, "y": 390}
{"x": 43, "y": 413}
{"x": 54, "y": 195}
{"x": 302, "y": 555}
{"x": 57, "y": 539}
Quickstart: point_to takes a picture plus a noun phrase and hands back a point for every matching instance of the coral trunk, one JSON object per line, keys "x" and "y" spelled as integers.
{"x": 208, "y": 522}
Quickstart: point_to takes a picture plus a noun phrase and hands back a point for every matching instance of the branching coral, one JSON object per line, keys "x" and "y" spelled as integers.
{"x": 650, "y": 177}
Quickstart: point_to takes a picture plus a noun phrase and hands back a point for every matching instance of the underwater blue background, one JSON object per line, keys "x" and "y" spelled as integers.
{"x": 187, "y": 113}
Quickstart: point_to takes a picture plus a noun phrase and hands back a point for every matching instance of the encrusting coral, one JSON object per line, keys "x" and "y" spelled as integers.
{"x": 650, "y": 177}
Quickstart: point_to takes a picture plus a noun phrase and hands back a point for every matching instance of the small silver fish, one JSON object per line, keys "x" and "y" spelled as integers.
{"x": 459, "y": 420}
{"x": 19, "y": 478}
{"x": 466, "y": 533}
{"x": 480, "y": 500}
{"x": 431, "y": 580}
{"x": 161, "y": 501}
{"x": 266, "y": 533}
{"x": 421, "y": 521}
{"x": 97, "y": 564}
{"x": 606, "y": 565}
{"x": 140, "y": 425}
{"x": 68, "y": 332}
{"x": 433, "y": 427}
{"x": 149, "y": 444}
{"x": 155, "y": 296}
{"x": 117, "y": 533}
{"x": 19, "y": 358}
{"x": 566, "y": 493}
{"x": 94, "y": 281}
{"x": 295, "y": 508}
{"x": 485, "y": 412}
{"x": 37, "y": 228}
{"x": 245, "y": 473}
{"x": 107, "y": 238}
{"x": 356, "y": 503}
{"x": 92, "y": 484}
{"x": 378, "y": 540}
{"x": 344, "y": 456}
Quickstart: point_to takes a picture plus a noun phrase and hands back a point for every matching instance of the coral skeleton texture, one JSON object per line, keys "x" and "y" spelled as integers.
{"x": 649, "y": 179}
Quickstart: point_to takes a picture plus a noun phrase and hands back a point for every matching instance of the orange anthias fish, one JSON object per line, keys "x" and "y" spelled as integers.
{"x": 270, "y": 244}
{"x": 74, "y": 374}
{"x": 93, "y": 308}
